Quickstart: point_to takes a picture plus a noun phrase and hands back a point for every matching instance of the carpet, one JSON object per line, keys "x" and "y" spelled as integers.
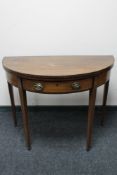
{"x": 58, "y": 144}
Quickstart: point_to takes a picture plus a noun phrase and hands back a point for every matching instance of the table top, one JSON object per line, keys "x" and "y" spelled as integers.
{"x": 57, "y": 66}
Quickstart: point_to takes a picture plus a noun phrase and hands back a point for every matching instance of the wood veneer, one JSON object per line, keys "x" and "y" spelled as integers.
{"x": 58, "y": 75}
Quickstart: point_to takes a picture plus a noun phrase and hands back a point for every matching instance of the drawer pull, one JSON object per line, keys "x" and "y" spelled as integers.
{"x": 76, "y": 85}
{"x": 38, "y": 86}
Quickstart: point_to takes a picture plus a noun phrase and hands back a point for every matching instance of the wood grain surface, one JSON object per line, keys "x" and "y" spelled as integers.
{"x": 57, "y": 65}
{"x": 57, "y": 75}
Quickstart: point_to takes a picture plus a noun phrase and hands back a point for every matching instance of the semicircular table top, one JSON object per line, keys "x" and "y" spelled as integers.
{"x": 45, "y": 74}
{"x": 57, "y": 65}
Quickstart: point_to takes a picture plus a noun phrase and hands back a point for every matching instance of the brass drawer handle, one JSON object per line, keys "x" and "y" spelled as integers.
{"x": 38, "y": 86}
{"x": 76, "y": 85}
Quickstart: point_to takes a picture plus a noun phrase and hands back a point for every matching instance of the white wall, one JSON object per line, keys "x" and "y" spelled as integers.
{"x": 58, "y": 27}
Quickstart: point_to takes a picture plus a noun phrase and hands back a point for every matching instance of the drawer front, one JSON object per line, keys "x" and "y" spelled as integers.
{"x": 57, "y": 87}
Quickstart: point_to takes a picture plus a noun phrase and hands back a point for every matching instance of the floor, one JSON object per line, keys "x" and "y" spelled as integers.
{"x": 58, "y": 144}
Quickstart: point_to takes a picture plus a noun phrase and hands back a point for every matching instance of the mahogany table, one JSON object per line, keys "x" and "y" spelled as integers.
{"x": 58, "y": 75}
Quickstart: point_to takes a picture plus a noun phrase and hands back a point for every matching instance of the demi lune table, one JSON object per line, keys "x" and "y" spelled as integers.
{"x": 58, "y": 75}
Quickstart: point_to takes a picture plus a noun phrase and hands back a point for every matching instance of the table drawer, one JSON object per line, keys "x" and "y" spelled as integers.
{"x": 57, "y": 87}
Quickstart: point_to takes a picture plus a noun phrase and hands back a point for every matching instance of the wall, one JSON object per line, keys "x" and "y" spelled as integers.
{"x": 57, "y": 27}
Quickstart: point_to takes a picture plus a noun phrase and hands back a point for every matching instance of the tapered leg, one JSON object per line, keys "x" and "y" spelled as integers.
{"x": 92, "y": 97}
{"x": 12, "y": 103}
{"x": 23, "y": 100}
{"x": 106, "y": 87}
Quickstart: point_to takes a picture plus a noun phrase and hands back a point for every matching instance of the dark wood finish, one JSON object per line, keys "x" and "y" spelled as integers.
{"x": 102, "y": 78}
{"x": 92, "y": 98}
{"x": 58, "y": 67}
{"x": 12, "y": 103}
{"x": 28, "y": 82}
{"x": 57, "y": 87}
{"x": 23, "y": 100}
{"x": 12, "y": 78}
{"x": 58, "y": 75}
{"x": 106, "y": 87}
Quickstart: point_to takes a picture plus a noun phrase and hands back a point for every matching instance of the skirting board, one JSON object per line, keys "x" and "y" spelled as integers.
{"x": 68, "y": 108}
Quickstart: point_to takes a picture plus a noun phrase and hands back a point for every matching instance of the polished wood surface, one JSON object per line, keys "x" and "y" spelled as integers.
{"x": 10, "y": 87}
{"x": 58, "y": 75}
{"x": 57, "y": 87}
{"x": 25, "y": 118}
{"x": 91, "y": 110}
{"x": 57, "y": 65}
{"x": 106, "y": 87}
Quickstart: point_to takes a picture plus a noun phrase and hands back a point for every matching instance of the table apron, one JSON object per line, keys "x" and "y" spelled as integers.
{"x": 57, "y": 87}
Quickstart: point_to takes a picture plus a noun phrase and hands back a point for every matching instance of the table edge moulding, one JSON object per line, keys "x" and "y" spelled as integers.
{"x": 58, "y": 75}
